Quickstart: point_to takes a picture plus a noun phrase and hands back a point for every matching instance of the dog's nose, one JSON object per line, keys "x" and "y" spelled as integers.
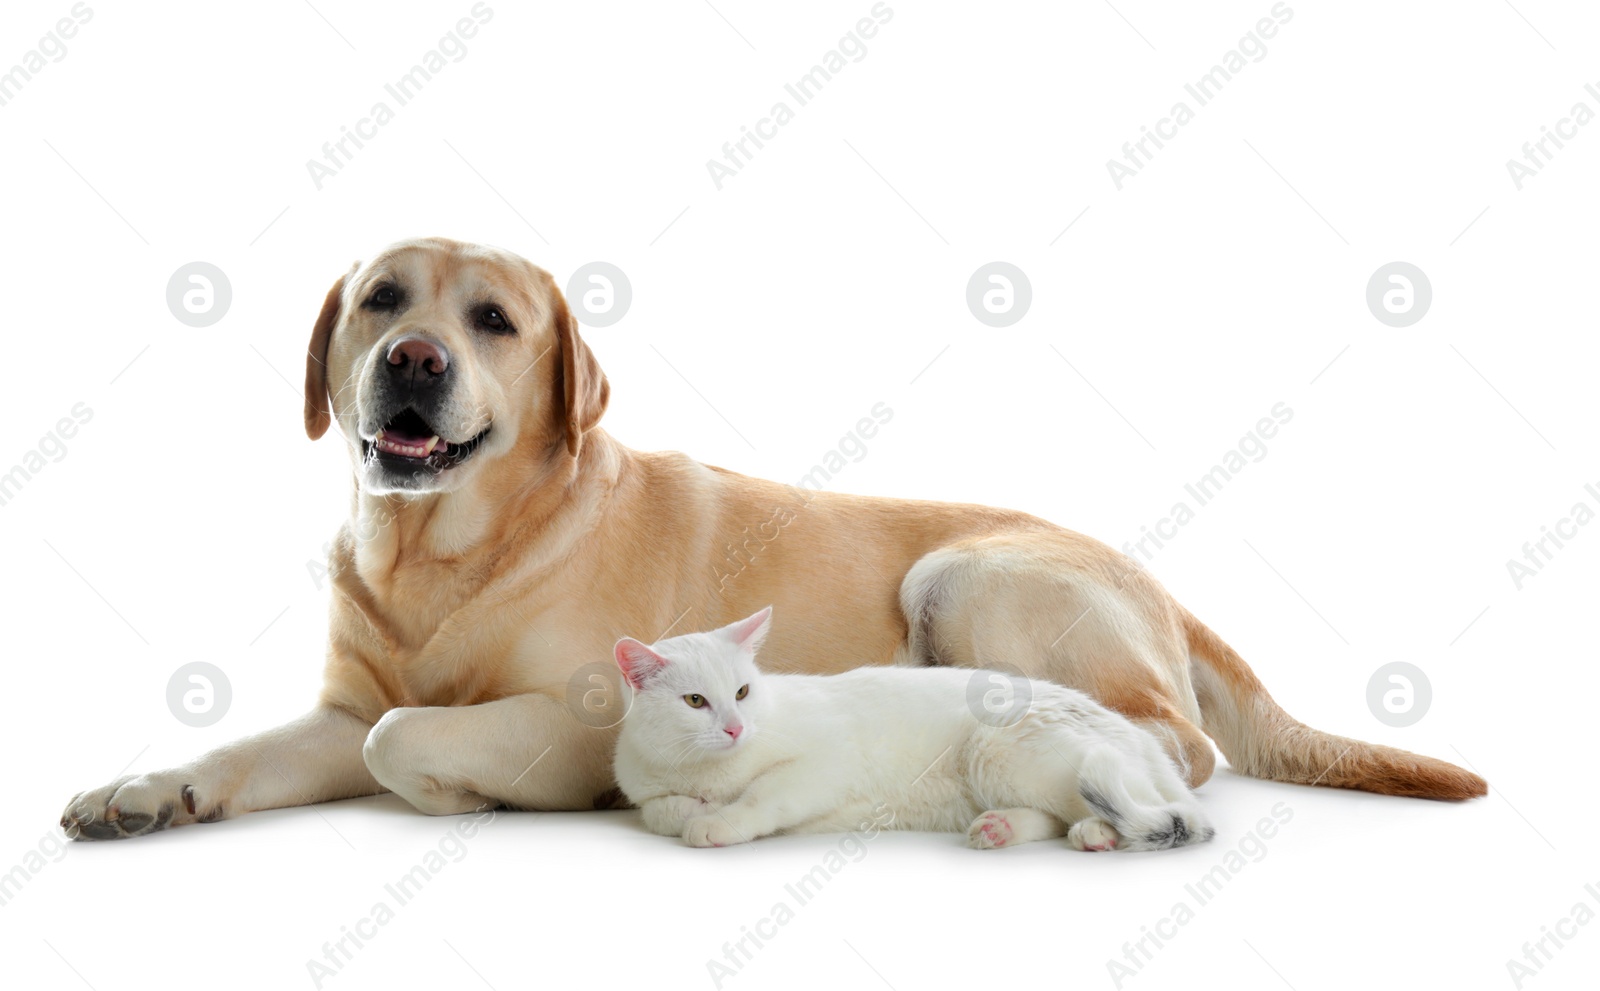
{"x": 418, "y": 356}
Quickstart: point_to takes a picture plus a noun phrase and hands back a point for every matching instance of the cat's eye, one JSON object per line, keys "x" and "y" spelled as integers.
{"x": 743, "y": 691}
{"x": 695, "y": 701}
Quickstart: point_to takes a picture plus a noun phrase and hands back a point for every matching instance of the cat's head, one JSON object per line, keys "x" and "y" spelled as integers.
{"x": 700, "y": 693}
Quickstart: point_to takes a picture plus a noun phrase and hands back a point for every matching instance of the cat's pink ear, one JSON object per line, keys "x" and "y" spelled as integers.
{"x": 638, "y": 662}
{"x": 750, "y": 631}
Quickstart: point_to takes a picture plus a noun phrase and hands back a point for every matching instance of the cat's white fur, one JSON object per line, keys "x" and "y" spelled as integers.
{"x": 810, "y": 754}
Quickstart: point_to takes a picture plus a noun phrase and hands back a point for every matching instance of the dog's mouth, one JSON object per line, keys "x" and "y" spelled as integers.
{"x": 408, "y": 442}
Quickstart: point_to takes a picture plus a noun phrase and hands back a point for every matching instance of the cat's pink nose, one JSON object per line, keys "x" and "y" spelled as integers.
{"x": 733, "y": 731}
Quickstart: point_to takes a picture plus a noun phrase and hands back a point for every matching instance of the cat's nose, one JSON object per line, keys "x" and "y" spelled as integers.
{"x": 733, "y": 731}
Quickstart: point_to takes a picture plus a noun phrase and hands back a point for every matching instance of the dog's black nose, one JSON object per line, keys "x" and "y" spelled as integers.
{"x": 418, "y": 360}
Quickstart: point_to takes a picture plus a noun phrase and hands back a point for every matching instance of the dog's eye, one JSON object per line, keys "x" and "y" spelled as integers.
{"x": 490, "y": 318}
{"x": 383, "y": 298}
{"x": 695, "y": 701}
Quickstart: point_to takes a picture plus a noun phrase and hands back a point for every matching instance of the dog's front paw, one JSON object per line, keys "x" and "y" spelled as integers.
{"x": 712, "y": 830}
{"x": 134, "y": 806}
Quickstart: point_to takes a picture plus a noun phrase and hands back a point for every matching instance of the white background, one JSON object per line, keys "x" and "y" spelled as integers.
{"x": 767, "y": 318}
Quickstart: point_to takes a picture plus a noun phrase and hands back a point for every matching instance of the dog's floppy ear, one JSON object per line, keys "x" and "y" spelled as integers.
{"x": 584, "y": 389}
{"x": 318, "y": 412}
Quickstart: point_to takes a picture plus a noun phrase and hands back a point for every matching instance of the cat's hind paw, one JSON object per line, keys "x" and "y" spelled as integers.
{"x": 990, "y": 831}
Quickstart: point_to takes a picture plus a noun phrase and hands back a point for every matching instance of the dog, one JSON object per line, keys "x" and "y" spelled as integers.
{"x": 500, "y": 542}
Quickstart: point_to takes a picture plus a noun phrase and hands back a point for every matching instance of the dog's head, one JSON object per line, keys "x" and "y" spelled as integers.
{"x": 437, "y": 357}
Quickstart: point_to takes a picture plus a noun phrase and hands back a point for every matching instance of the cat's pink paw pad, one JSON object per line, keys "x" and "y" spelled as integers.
{"x": 711, "y": 831}
{"x": 989, "y": 831}
{"x": 1093, "y": 835}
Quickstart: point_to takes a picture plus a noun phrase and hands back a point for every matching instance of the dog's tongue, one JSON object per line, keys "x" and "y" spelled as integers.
{"x": 411, "y": 446}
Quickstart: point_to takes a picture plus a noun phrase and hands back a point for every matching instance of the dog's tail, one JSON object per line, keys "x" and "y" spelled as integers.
{"x": 1263, "y": 741}
{"x": 1142, "y": 826}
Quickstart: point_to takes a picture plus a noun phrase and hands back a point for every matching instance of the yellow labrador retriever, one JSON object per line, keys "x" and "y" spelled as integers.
{"x": 499, "y": 541}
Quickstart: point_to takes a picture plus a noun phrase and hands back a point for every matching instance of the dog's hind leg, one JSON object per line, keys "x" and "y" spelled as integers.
{"x": 1061, "y": 607}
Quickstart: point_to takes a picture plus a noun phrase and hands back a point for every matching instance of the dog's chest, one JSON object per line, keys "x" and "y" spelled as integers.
{"x": 458, "y": 647}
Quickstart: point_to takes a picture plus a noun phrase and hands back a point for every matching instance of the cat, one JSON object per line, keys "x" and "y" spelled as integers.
{"x": 716, "y": 752}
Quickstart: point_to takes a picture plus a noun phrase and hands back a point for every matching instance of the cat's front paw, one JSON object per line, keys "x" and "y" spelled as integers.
{"x": 712, "y": 830}
{"x": 667, "y": 814}
{"x": 683, "y": 807}
{"x": 1094, "y": 835}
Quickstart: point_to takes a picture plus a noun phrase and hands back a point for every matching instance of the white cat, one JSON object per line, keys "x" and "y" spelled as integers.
{"x": 716, "y": 752}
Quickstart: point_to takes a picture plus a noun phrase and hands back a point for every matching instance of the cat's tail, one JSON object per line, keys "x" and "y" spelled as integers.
{"x": 1261, "y": 740}
{"x": 1143, "y": 826}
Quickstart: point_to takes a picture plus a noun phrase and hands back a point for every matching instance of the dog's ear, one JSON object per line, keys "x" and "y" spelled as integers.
{"x": 584, "y": 389}
{"x": 318, "y": 412}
